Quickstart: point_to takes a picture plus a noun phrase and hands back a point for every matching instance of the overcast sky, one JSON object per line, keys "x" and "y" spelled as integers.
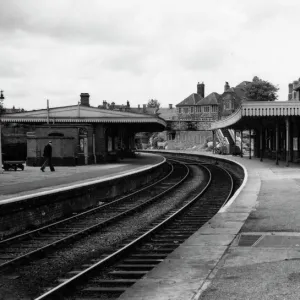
{"x": 136, "y": 50}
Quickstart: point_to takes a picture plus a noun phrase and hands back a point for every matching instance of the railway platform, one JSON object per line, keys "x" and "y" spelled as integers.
{"x": 249, "y": 250}
{"x": 33, "y": 181}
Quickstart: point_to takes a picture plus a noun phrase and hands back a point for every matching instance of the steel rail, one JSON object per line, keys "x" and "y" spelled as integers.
{"x": 73, "y": 236}
{"x": 58, "y": 291}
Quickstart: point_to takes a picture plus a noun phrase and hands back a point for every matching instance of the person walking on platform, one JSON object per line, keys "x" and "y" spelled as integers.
{"x": 48, "y": 157}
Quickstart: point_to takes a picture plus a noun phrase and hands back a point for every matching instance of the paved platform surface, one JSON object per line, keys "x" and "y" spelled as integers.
{"x": 249, "y": 250}
{"x": 33, "y": 180}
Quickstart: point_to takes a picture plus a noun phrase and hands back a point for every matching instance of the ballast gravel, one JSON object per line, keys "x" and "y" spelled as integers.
{"x": 31, "y": 280}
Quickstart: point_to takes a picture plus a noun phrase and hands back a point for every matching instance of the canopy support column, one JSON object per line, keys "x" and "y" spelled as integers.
{"x": 261, "y": 142}
{"x": 287, "y": 125}
{"x": 277, "y": 142}
{"x": 241, "y": 143}
{"x": 234, "y": 152}
{"x": 214, "y": 141}
{"x": 249, "y": 143}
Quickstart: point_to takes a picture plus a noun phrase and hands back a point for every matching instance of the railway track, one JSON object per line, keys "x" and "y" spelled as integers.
{"x": 42, "y": 241}
{"x": 112, "y": 273}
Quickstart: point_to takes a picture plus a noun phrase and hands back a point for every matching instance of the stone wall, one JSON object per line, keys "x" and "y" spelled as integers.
{"x": 188, "y": 139}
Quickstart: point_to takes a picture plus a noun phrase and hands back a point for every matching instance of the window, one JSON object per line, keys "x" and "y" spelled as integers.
{"x": 206, "y": 109}
{"x": 198, "y": 109}
{"x": 186, "y": 110}
{"x": 227, "y": 104}
{"x": 215, "y": 108}
{"x": 192, "y": 109}
{"x": 179, "y": 110}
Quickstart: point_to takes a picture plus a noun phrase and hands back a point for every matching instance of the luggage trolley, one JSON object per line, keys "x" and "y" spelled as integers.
{"x": 13, "y": 162}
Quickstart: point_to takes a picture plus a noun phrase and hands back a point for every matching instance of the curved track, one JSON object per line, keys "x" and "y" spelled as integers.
{"x": 112, "y": 273}
{"x": 41, "y": 241}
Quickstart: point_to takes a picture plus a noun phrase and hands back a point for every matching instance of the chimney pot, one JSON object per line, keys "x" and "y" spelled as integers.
{"x": 144, "y": 108}
{"x": 85, "y": 99}
{"x": 226, "y": 87}
{"x": 170, "y": 106}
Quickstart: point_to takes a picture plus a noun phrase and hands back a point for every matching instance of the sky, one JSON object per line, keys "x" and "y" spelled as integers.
{"x": 140, "y": 50}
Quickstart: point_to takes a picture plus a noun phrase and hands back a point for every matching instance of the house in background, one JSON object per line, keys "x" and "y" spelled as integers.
{"x": 294, "y": 91}
{"x": 191, "y": 123}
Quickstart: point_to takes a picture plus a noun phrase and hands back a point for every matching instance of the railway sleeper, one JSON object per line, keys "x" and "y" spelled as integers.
{"x": 97, "y": 290}
{"x": 128, "y": 274}
{"x": 148, "y": 255}
{"x": 142, "y": 261}
{"x": 139, "y": 267}
{"x": 158, "y": 250}
{"x": 173, "y": 235}
{"x": 177, "y": 240}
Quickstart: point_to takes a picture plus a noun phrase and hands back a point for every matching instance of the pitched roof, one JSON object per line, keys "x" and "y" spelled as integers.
{"x": 167, "y": 113}
{"x": 143, "y": 110}
{"x": 211, "y": 99}
{"x": 190, "y": 100}
{"x": 80, "y": 113}
{"x": 243, "y": 84}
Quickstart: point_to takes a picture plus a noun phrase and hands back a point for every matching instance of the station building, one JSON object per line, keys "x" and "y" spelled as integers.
{"x": 80, "y": 134}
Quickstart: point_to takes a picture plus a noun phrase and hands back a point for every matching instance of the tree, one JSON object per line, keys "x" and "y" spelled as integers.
{"x": 153, "y": 103}
{"x": 261, "y": 90}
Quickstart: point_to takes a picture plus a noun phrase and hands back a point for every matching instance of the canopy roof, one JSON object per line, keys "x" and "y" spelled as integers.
{"x": 81, "y": 114}
{"x": 249, "y": 113}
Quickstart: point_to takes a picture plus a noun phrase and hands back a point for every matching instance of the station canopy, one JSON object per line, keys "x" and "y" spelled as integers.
{"x": 86, "y": 114}
{"x": 254, "y": 114}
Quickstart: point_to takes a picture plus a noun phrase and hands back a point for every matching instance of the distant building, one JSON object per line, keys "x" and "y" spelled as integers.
{"x": 13, "y": 110}
{"x": 294, "y": 91}
{"x": 190, "y": 122}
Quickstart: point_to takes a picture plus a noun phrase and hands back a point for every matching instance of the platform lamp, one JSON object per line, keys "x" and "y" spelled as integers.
{"x": 1, "y": 98}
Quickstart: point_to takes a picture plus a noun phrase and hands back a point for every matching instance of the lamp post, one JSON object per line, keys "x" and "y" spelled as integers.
{"x": 1, "y": 98}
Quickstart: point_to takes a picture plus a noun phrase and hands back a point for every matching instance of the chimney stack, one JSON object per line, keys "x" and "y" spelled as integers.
{"x": 170, "y": 106}
{"x": 290, "y": 97}
{"x": 226, "y": 87}
{"x": 85, "y": 99}
{"x": 200, "y": 89}
{"x": 128, "y": 104}
{"x": 139, "y": 106}
{"x": 144, "y": 108}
